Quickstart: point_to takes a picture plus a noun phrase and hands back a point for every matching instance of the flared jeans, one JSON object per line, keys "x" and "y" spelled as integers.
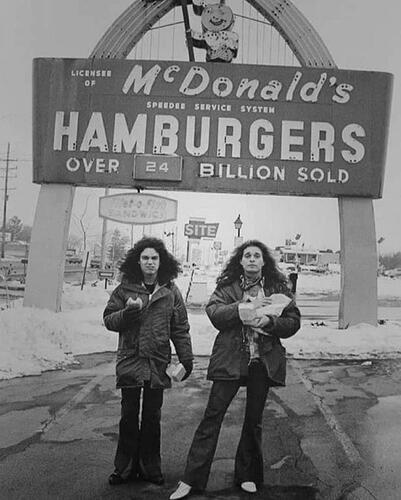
{"x": 138, "y": 449}
{"x": 249, "y": 455}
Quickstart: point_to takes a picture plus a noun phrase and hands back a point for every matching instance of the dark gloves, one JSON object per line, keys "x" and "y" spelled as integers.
{"x": 188, "y": 365}
{"x": 129, "y": 313}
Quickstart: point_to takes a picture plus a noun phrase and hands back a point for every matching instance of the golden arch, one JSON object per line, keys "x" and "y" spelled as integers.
{"x": 140, "y": 16}
{"x": 358, "y": 301}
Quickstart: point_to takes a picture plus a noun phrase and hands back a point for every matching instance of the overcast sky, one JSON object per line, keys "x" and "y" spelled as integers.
{"x": 357, "y": 34}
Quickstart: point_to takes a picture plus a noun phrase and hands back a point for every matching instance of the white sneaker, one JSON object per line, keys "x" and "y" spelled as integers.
{"x": 182, "y": 491}
{"x": 249, "y": 487}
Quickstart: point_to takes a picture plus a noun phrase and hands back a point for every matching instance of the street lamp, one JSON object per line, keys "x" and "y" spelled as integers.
{"x": 238, "y": 225}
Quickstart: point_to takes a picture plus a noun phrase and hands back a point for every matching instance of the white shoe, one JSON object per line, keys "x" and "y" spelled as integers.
{"x": 182, "y": 491}
{"x": 249, "y": 487}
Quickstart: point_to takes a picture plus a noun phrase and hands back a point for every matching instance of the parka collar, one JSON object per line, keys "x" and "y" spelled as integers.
{"x": 140, "y": 287}
{"x": 238, "y": 291}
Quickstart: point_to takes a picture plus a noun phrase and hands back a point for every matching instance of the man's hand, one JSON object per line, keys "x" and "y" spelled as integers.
{"x": 262, "y": 322}
{"x": 188, "y": 365}
{"x": 132, "y": 307}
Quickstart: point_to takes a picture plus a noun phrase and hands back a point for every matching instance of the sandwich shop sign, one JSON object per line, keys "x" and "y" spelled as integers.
{"x": 210, "y": 127}
{"x": 138, "y": 209}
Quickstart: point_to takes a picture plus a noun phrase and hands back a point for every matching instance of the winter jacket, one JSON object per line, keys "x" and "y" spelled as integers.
{"x": 229, "y": 359}
{"x": 144, "y": 341}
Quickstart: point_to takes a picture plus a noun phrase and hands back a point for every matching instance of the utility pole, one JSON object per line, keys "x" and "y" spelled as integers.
{"x": 6, "y": 189}
{"x": 103, "y": 248}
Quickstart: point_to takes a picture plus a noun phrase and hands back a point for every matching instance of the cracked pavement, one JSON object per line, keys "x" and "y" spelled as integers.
{"x": 332, "y": 433}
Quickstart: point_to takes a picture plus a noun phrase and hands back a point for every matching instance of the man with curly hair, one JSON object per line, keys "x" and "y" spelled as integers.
{"x": 147, "y": 310}
{"x": 252, "y": 307}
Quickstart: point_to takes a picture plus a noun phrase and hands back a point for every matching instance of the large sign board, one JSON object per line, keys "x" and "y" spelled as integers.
{"x": 210, "y": 127}
{"x": 131, "y": 208}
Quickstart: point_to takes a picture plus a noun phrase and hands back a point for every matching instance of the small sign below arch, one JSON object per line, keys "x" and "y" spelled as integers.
{"x": 138, "y": 209}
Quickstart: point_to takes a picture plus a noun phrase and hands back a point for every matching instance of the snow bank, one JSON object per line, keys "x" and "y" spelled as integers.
{"x": 35, "y": 340}
{"x": 311, "y": 284}
{"x": 357, "y": 342}
{"x": 32, "y": 341}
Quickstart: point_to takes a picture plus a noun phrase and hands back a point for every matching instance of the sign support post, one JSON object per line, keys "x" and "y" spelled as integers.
{"x": 45, "y": 271}
{"x": 358, "y": 298}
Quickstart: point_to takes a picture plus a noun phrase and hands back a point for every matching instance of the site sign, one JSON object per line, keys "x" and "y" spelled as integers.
{"x": 132, "y": 208}
{"x": 196, "y": 229}
{"x": 210, "y": 127}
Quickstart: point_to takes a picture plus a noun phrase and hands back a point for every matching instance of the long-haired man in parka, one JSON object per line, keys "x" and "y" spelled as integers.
{"x": 253, "y": 309}
{"x": 148, "y": 311}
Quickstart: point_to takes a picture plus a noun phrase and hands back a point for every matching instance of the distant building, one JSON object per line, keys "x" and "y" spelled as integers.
{"x": 293, "y": 254}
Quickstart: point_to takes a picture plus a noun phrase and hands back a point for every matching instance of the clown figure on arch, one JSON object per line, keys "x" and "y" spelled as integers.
{"x": 217, "y": 37}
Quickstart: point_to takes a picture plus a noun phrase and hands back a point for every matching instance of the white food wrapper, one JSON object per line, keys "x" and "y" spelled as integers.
{"x": 248, "y": 312}
{"x": 176, "y": 372}
{"x": 131, "y": 302}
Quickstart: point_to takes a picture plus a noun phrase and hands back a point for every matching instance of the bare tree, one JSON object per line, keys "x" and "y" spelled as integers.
{"x": 74, "y": 241}
{"x": 14, "y": 226}
{"x": 83, "y": 225}
{"x": 117, "y": 246}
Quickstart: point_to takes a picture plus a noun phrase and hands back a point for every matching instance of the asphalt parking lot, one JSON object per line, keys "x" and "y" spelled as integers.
{"x": 332, "y": 433}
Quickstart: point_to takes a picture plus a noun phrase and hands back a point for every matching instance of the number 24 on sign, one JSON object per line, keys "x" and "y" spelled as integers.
{"x": 152, "y": 166}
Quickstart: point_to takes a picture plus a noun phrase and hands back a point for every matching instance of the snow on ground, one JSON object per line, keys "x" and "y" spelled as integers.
{"x": 388, "y": 288}
{"x": 35, "y": 340}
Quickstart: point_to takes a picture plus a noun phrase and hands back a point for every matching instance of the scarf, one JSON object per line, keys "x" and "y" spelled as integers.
{"x": 248, "y": 283}
{"x": 252, "y": 288}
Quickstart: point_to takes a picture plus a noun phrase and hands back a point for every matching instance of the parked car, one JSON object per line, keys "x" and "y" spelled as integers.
{"x": 186, "y": 268}
{"x": 95, "y": 262}
{"x": 313, "y": 268}
{"x": 393, "y": 273}
{"x": 74, "y": 259}
{"x": 287, "y": 268}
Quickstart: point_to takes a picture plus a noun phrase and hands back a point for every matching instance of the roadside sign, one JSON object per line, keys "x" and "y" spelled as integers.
{"x": 7, "y": 236}
{"x": 105, "y": 273}
{"x": 138, "y": 208}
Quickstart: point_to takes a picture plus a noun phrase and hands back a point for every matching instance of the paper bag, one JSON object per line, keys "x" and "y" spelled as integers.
{"x": 248, "y": 312}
